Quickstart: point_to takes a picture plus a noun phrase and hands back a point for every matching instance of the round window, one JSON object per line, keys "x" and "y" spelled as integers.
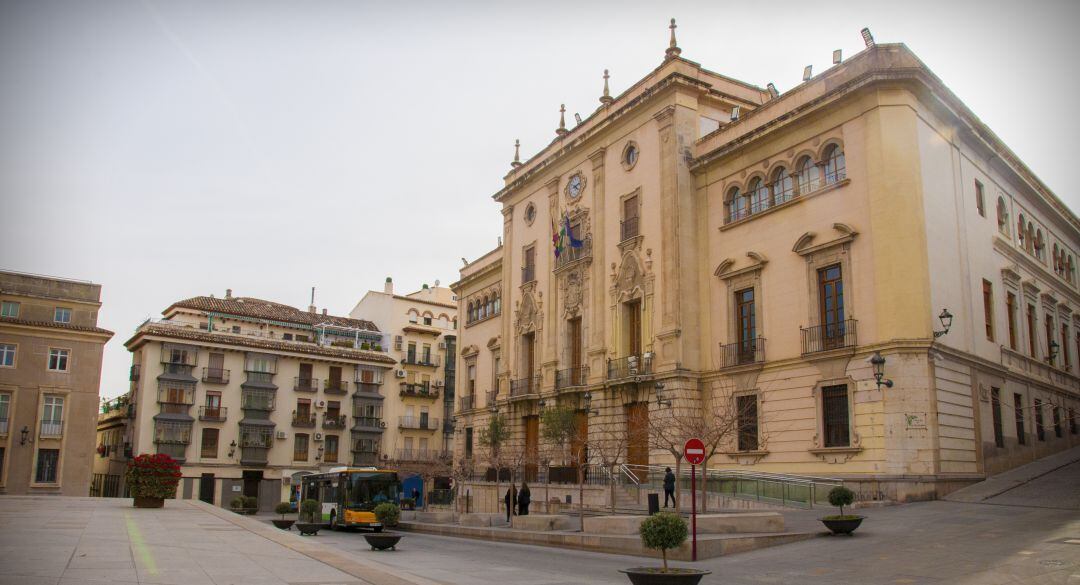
{"x": 630, "y": 156}
{"x": 530, "y": 213}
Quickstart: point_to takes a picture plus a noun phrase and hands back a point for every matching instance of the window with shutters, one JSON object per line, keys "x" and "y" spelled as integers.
{"x": 988, "y": 308}
{"x": 1010, "y": 307}
{"x": 330, "y": 453}
{"x": 746, "y": 409}
{"x": 980, "y": 202}
{"x": 1018, "y": 413}
{"x": 836, "y": 423}
{"x": 209, "y": 444}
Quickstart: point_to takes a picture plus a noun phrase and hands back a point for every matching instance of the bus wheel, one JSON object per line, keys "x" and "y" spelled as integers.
{"x": 377, "y": 529}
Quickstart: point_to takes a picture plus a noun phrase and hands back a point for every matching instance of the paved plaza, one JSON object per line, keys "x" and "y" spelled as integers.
{"x": 1023, "y": 530}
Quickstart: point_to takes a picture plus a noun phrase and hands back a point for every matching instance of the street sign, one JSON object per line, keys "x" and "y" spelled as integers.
{"x": 694, "y": 451}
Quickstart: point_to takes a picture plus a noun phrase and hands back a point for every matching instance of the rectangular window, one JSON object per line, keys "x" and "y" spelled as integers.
{"x": 980, "y": 202}
{"x": 995, "y": 405}
{"x": 528, "y": 267}
{"x": 745, "y": 325}
{"x": 1018, "y": 412}
{"x": 831, "y": 309}
{"x": 1056, "y": 413}
{"x": 58, "y": 359}
{"x": 1050, "y": 358}
{"x": 47, "y": 462}
{"x": 1010, "y": 307}
{"x": 287, "y": 336}
{"x": 1066, "y": 356}
{"x": 746, "y": 410}
{"x": 633, "y": 327}
{"x": 988, "y": 309}
{"x": 62, "y": 315}
{"x": 1031, "y": 330}
{"x": 9, "y": 309}
{"x": 300, "y": 447}
{"x": 411, "y": 353}
{"x": 468, "y": 442}
{"x": 471, "y": 377}
{"x": 330, "y": 455}
{"x": 834, "y": 409}
{"x": 5, "y": 408}
{"x": 426, "y": 353}
{"x": 1040, "y": 431}
{"x": 629, "y": 227}
{"x": 209, "y": 443}
{"x": 1072, "y": 422}
{"x": 7, "y": 355}
{"x": 52, "y": 416}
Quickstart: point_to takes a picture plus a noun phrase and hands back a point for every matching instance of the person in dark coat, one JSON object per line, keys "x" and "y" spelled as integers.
{"x": 511, "y": 501}
{"x": 524, "y": 498}
{"x": 669, "y": 487}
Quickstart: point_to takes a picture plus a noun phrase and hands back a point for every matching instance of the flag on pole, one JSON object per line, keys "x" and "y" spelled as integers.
{"x": 574, "y": 242}
{"x": 556, "y": 239}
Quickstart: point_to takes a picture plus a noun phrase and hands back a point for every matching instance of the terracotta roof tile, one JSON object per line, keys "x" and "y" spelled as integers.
{"x": 192, "y": 334}
{"x": 54, "y": 325}
{"x": 262, "y": 309}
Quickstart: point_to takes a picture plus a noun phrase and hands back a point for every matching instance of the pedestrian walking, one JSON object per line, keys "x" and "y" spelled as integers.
{"x": 524, "y": 498}
{"x": 511, "y": 501}
{"x": 669, "y": 487}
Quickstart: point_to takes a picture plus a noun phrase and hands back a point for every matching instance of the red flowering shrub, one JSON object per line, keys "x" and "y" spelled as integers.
{"x": 153, "y": 476}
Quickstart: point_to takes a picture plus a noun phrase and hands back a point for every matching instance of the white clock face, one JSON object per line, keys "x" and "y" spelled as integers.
{"x": 574, "y": 187}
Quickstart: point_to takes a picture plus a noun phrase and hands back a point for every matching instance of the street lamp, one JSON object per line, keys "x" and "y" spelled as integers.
{"x": 318, "y": 456}
{"x": 660, "y": 400}
{"x": 878, "y": 363}
{"x": 587, "y": 398}
{"x": 946, "y": 321}
{"x": 232, "y": 448}
{"x": 1054, "y": 348}
{"x": 24, "y": 435}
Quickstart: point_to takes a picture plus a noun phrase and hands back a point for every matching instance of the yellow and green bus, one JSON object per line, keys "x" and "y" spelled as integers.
{"x": 348, "y": 495}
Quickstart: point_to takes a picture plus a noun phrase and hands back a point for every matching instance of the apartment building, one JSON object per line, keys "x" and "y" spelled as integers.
{"x": 858, "y": 267}
{"x": 113, "y": 448}
{"x": 250, "y": 395}
{"x": 422, "y": 331}
{"x": 50, "y": 369}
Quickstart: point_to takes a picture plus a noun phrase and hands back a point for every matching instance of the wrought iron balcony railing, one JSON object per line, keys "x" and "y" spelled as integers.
{"x": 419, "y": 390}
{"x": 830, "y": 336}
{"x": 422, "y": 423}
{"x": 741, "y": 353}
{"x": 334, "y": 421}
{"x": 213, "y": 413}
{"x": 525, "y": 386}
{"x": 215, "y": 376}
{"x": 467, "y": 402}
{"x": 571, "y": 377}
{"x": 628, "y": 228}
{"x": 305, "y": 384}
{"x": 303, "y": 419}
{"x": 630, "y": 366}
{"x": 332, "y": 386}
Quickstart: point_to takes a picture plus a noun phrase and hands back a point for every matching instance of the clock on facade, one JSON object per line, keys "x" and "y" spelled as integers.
{"x": 575, "y": 185}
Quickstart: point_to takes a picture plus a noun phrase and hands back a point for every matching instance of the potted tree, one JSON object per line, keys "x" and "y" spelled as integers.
{"x": 309, "y": 523}
{"x": 151, "y": 479}
{"x": 283, "y": 508}
{"x": 388, "y": 515}
{"x": 663, "y": 531}
{"x": 841, "y": 523}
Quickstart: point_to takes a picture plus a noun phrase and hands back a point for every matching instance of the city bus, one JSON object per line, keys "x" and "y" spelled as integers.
{"x": 348, "y": 495}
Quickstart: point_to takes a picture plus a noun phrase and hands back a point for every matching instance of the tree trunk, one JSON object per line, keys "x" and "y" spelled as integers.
{"x": 547, "y": 491}
{"x": 678, "y": 483}
{"x": 611, "y": 480}
{"x": 498, "y": 492}
{"x": 663, "y": 553}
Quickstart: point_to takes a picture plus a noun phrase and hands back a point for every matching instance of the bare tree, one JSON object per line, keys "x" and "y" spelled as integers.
{"x": 723, "y": 421}
{"x": 493, "y": 436}
{"x": 562, "y": 434}
{"x": 668, "y": 429}
{"x": 440, "y": 465}
{"x": 608, "y": 439}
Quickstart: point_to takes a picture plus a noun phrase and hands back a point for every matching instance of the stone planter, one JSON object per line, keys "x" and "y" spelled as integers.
{"x": 657, "y": 576}
{"x": 284, "y": 524}
{"x": 307, "y": 528}
{"x": 149, "y": 502}
{"x": 845, "y": 525}
{"x": 382, "y": 540}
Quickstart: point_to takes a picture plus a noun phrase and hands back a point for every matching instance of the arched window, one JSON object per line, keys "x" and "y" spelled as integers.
{"x": 1070, "y": 273}
{"x": 1029, "y": 243}
{"x": 1056, "y": 259}
{"x": 783, "y": 187}
{"x": 1020, "y": 228}
{"x": 759, "y": 196}
{"x": 835, "y": 167}
{"x": 498, "y": 307}
{"x": 1002, "y": 216}
{"x": 468, "y": 313}
{"x": 736, "y": 205}
{"x": 809, "y": 175}
{"x": 1040, "y": 245}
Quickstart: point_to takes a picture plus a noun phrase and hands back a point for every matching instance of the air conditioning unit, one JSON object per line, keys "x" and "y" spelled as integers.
{"x": 442, "y": 345}
{"x": 399, "y": 373}
{"x": 321, "y": 404}
{"x": 318, "y": 436}
{"x": 438, "y": 383}
{"x": 282, "y": 435}
{"x": 382, "y": 424}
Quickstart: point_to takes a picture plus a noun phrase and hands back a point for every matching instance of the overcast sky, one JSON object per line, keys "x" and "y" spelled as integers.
{"x": 173, "y": 149}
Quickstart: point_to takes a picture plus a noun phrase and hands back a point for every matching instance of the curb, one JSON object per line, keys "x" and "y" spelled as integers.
{"x": 370, "y": 572}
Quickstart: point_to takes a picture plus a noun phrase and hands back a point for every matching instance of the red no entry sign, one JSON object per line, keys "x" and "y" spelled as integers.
{"x": 694, "y": 451}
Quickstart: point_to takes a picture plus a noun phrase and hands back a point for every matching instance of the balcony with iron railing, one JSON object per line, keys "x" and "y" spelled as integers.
{"x": 215, "y": 376}
{"x": 4, "y": 423}
{"x": 528, "y": 274}
{"x": 630, "y": 366}
{"x": 370, "y": 424}
{"x": 467, "y": 402}
{"x": 213, "y": 413}
{"x": 52, "y": 428}
{"x": 412, "y": 359}
{"x": 334, "y": 421}
{"x": 525, "y": 387}
{"x": 257, "y": 400}
{"x": 260, "y": 378}
{"x": 174, "y": 369}
{"x": 571, "y": 377}
{"x": 420, "y": 454}
{"x": 422, "y": 423}
{"x": 743, "y": 353}
{"x": 368, "y": 387}
{"x": 571, "y": 254}
{"x": 628, "y": 228}
{"x": 830, "y": 336}
{"x": 332, "y": 386}
{"x": 418, "y": 390}
{"x": 492, "y": 398}
{"x": 303, "y": 418}
{"x": 301, "y": 384}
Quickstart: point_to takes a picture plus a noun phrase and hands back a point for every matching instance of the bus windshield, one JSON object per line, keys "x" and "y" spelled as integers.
{"x": 367, "y": 490}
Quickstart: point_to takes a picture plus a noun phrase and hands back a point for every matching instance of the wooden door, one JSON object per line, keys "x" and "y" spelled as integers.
{"x": 637, "y": 437}
{"x": 206, "y": 487}
{"x": 633, "y": 328}
{"x": 532, "y": 446}
{"x": 831, "y": 299}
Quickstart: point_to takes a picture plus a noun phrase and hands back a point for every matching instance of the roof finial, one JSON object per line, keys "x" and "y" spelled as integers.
{"x": 517, "y": 154}
{"x": 606, "y": 99}
{"x": 673, "y": 49}
{"x": 561, "y": 130}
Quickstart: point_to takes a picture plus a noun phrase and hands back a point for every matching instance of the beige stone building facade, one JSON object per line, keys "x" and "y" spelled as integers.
{"x": 750, "y": 250}
{"x": 50, "y": 369}
{"x": 421, "y": 332}
{"x": 251, "y": 394}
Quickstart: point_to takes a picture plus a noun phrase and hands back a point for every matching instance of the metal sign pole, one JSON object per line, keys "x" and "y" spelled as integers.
{"x": 693, "y": 511}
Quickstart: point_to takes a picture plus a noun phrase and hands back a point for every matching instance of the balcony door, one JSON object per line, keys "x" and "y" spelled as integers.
{"x": 217, "y": 366}
{"x": 633, "y": 328}
{"x": 574, "y": 331}
{"x": 335, "y": 378}
{"x": 306, "y": 376}
{"x": 831, "y": 300}
{"x": 532, "y": 446}
{"x": 746, "y": 324}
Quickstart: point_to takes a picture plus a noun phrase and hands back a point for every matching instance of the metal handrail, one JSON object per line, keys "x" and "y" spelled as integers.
{"x": 626, "y": 472}
{"x": 797, "y": 491}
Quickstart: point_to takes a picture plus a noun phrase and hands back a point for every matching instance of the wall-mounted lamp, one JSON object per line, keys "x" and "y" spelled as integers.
{"x": 946, "y": 321}
{"x": 1054, "y": 348}
{"x": 232, "y": 448}
{"x": 587, "y": 399}
{"x": 879, "y": 371}
{"x": 318, "y": 455}
{"x": 24, "y": 435}
{"x": 660, "y": 400}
